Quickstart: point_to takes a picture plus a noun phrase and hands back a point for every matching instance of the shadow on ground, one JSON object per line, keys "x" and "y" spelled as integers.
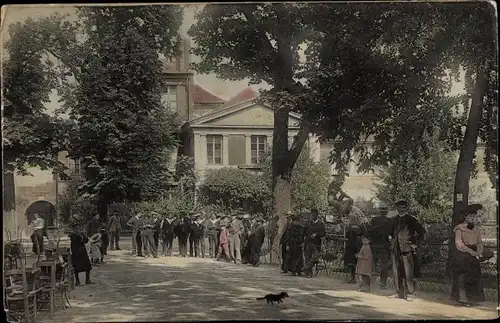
{"x": 180, "y": 289}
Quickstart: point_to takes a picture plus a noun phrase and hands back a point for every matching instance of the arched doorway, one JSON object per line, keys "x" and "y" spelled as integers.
{"x": 45, "y": 209}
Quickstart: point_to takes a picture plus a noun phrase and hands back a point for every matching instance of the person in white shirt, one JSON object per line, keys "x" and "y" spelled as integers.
{"x": 38, "y": 225}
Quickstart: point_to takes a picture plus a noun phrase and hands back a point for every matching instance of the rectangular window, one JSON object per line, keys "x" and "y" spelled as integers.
{"x": 74, "y": 166}
{"x": 169, "y": 98}
{"x": 214, "y": 149}
{"x": 258, "y": 149}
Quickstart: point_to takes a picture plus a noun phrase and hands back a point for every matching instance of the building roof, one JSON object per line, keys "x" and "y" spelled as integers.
{"x": 200, "y": 95}
{"x": 242, "y": 96}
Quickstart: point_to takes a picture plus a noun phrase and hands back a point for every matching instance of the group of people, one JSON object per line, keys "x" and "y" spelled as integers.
{"x": 90, "y": 245}
{"x": 388, "y": 242}
{"x": 301, "y": 243}
{"x": 237, "y": 237}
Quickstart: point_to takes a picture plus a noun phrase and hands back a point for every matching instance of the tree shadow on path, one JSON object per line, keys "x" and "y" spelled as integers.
{"x": 193, "y": 289}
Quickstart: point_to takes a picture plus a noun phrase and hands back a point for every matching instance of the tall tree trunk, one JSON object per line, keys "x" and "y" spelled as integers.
{"x": 469, "y": 145}
{"x": 283, "y": 159}
{"x": 465, "y": 161}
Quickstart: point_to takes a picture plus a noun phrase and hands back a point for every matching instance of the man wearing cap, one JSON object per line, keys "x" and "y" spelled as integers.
{"x": 235, "y": 232}
{"x": 136, "y": 223}
{"x": 148, "y": 236}
{"x": 405, "y": 233}
{"x": 379, "y": 231}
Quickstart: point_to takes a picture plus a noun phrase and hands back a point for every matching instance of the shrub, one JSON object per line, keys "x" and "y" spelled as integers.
{"x": 235, "y": 188}
{"x": 174, "y": 206}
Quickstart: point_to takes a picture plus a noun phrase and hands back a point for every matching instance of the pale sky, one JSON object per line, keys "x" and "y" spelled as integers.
{"x": 221, "y": 88}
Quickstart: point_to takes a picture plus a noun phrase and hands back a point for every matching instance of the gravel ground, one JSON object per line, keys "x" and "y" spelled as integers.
{"x": 189, "y": 289}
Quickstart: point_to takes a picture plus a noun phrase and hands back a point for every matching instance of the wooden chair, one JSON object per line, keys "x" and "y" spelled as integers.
{"x": 21, "y": 289}
{"x": 47, "y": 284}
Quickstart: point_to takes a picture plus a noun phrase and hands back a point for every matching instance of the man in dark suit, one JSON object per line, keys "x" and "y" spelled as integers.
{"x": 406, "y": 232}
{"x": 195, "y": 237}
{"x": 167, "y": 235}
{"x": 313, "y": 233}
{"x": 156, "y": 231}
{"x": 182, "y": 230}
{"x": 379, "y": 231}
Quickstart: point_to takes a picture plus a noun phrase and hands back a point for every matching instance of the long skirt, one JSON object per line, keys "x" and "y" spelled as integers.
{"x": 467, "y": 283}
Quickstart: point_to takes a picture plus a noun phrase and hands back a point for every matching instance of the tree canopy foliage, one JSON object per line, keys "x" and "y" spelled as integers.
{"x": 124, "y": 135}
{"x": 31, "y": 136}
{"x": 371, "y": 70}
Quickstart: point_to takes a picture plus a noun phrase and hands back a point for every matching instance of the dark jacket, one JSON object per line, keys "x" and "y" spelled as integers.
{"x": 258, "y": 235}
{"x": 405, "y": 231}
{"x": 379, "y": 231}
{"x": 79, "y": 256}
{"x": 182, "y": 227}
{"x": 317, "y": 228}
{"x": 93, "y": 227}
{"x": 167, "y": 229}
{"x": 197, "y": 230}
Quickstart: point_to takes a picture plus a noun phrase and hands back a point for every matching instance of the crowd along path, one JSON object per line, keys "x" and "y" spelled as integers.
{"x": 172, "y": 288}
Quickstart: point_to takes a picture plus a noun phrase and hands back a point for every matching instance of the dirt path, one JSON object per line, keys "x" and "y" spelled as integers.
{"x": 164, "y": 289}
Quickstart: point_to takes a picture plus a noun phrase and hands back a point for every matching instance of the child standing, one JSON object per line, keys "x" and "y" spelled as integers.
{"x": 364, "y": 266}
{"x": 224, "y": 243}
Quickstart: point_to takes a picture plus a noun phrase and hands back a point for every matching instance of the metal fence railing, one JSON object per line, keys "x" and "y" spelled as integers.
{"x": 432, "y": 259}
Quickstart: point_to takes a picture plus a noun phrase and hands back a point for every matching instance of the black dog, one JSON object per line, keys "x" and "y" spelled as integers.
{"x": 271, "y": 298}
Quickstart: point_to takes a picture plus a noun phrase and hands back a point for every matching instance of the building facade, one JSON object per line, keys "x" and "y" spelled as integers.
{"x": 236, "y": 134}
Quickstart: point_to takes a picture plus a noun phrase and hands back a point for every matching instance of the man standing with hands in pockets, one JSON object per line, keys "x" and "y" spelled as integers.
{"x": 235, "y": 231}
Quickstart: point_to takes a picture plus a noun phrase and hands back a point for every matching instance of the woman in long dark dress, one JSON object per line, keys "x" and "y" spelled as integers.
{"x": 466, "y": 271}
{"x": 79, "y": 257}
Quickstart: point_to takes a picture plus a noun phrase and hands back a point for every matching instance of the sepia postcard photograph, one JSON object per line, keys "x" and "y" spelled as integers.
{"x": 254, "y": 161}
